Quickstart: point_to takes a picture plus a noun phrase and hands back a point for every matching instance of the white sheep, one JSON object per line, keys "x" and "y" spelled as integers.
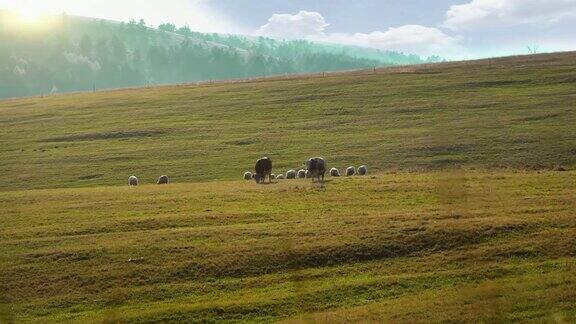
{"x": 302, "y": 174}
{"x": 163, "y": 180}
{"x": 363, "y": 170}
{"x": 334, "y": 172}
{"x": 248, "y": 176}
{"x": 133, "y": 181}
{"x": 280, "y": 177}
{"x": 291, "y": 174}
{"x": 350, "y": 171}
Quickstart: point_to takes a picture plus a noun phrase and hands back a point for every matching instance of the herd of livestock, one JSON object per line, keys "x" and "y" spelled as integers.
{"x": 315, "y": 169}
{"x": 134, "y": 181}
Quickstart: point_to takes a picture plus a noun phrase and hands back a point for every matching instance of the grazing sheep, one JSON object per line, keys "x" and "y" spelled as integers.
{"x": 263, "y": 169}
{"x": 350, "y": 171}
{"x": 363, "y": 170}
{"x": 248, "y": 176}
{"x": 291, "y": 174}
{"x": 133, "y": 181}
{"x": 280, "y": 177}
{"x": 317, "y": 168}
{"x": 334, "y": 172}
{"x": 302, "y": 174}
{"x": 163, "y": 180}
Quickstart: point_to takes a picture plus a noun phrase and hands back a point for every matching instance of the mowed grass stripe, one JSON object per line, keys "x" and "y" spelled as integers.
{"x": 239, "y": 252}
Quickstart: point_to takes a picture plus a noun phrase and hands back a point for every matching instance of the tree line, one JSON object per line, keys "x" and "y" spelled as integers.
{"x": 79, "y": 54}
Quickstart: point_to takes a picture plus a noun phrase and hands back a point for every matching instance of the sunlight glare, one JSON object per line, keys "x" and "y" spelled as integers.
{"x": 28, "y": 13}
{"x": 30, "y": 16}
{"x": 198, "y": 14}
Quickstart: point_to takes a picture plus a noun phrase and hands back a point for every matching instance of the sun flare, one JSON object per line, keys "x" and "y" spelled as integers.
{"x": 30, "y": 16}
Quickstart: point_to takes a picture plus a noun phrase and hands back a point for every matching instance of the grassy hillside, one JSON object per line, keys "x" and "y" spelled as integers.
{"x": 461, "y": 219}
{"x": 430, "y": 246}
{"x": 514, "y": 112}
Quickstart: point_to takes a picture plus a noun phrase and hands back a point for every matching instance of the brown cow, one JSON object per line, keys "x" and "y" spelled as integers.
{"x": 317, "y": 168}
{"x": 263, "y": 169}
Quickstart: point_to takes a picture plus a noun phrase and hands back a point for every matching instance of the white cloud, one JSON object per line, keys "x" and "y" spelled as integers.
{"x": 411, "y": 39}
{"x": 501, "y": 13}
{"x": 302, "y": 24}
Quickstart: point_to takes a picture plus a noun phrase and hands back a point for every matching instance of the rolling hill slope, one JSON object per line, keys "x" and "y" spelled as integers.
{"x": 515, "y": 112}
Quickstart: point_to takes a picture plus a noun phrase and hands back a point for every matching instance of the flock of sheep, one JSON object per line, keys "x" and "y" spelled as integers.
{"x": 133, "y": 181}
{"x": 315, "y": 168}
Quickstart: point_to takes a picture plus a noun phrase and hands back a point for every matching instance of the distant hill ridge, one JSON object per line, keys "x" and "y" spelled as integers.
{"x": 68, "y": 53}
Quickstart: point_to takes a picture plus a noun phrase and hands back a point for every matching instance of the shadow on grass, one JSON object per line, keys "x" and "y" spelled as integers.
{"x": 268, "y": 183}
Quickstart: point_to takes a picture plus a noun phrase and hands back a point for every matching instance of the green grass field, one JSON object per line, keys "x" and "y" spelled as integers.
{"x": 462, "y": 218}
{"x": 514, "y": 112}
{"x": 407, "y": 246}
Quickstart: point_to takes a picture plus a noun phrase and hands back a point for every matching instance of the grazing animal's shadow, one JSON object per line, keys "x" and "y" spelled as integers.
{"x": 322, "y": 182}
{"x": 268, "y": 183}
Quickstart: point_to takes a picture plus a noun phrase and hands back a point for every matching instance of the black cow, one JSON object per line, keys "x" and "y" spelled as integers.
{"x": 263, "y": 169}
{"x": 317, "y": 168}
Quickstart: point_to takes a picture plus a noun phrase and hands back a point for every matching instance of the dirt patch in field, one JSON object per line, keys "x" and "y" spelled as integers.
{"x": 104, "y": 136}
{"x": 243, "y": 142}
{"x": 440, "y": 150}
{"x": 491, "y": 84}
{"x": 90, "y": 176}
{"x": 540, "y": 117}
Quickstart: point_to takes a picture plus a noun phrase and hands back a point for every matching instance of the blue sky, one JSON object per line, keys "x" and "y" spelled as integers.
{"x": 451, "y": 28}
{"x": 344, "y": 16}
